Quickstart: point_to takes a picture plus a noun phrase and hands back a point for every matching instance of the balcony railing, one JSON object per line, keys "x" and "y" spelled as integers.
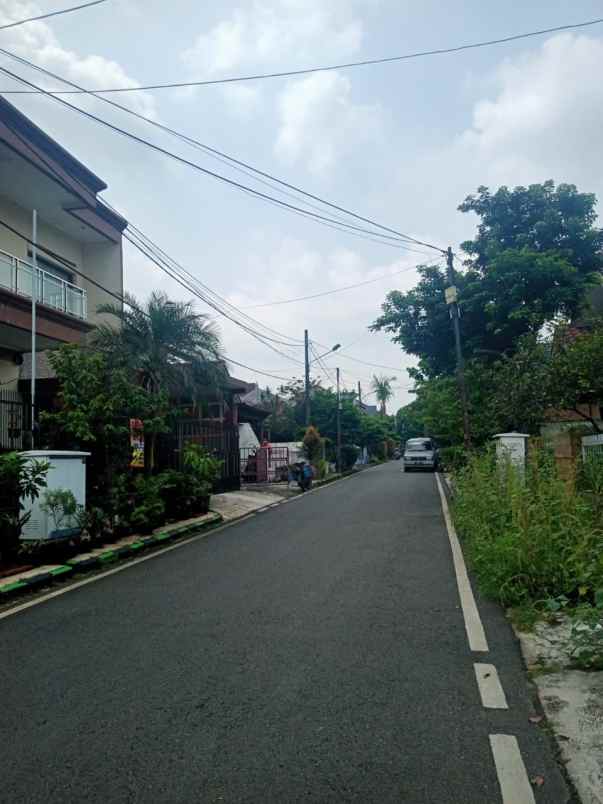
{"x": 16, "y": 275}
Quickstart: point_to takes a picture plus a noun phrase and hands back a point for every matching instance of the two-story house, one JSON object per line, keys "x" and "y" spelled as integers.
{"x": 79, "y": 237}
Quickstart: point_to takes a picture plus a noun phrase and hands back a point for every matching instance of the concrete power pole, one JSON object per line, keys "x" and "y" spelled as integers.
{"x": 338, "y": 425}
{"x": 359, "y": 393}
{"x": 307, "y": 374}
{"x": 452, "y": 301}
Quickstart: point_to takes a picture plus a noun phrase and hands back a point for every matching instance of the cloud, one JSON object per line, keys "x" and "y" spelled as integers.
{"x": 319, "y": 122}
{"x": 37, "y": 42}
{"x": 546, "y": 118}
{"x": 264, "y": 36}
{"x": 264, "y": 33}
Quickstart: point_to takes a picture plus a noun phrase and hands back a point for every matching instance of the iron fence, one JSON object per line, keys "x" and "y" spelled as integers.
{"x": 15, "y": 420}
{"x": 221, "y": 440}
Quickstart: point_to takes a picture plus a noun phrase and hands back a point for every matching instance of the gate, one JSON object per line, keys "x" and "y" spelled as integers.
{"x": 221, "y": 440}
{"x": 265, "y": 464}
{"x": 15, "y": 418}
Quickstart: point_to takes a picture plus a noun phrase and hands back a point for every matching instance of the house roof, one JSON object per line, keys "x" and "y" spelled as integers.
{"x": 19, "y": 122}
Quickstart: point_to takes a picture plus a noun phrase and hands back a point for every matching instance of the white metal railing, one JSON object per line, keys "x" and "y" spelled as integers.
{"x": 17, "y": 275}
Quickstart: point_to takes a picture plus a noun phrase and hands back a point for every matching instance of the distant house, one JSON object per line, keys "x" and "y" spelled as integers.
{"x": 370, "y": 410}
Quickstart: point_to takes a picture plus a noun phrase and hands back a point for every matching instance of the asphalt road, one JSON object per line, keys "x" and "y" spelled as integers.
{"x": 313, "y": 653}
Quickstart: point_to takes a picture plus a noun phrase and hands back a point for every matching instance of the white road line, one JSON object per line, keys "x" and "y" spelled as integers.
{"x": 490, "y": 688}
{"x": 473, "y": 623}
{"x": 512, "y": 776}
{"x": 120, "y": 568}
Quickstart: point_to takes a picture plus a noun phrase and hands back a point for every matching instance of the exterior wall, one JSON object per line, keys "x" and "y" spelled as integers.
{"x": 48, "y": 237}
{"x": 103, "y": 262}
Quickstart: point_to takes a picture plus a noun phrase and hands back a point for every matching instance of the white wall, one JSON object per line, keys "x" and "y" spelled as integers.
{"x": 103, "y": 262}
{"x": 48, "y": 236}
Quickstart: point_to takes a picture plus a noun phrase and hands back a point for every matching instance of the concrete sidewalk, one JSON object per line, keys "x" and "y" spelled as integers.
{"x": 236, "y": 504}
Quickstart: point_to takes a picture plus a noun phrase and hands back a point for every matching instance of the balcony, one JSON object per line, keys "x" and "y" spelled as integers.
{"x": 16, "y": 275}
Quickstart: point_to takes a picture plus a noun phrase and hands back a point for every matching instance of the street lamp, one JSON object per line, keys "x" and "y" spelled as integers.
{"x": 307, "y": 362}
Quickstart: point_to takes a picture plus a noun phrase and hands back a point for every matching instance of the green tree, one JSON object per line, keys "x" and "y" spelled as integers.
{"x": 536, "y": 254}
{"x": 169, "y": 346}
{"x": 98, "y": 396}
{"x": 170, "y": 349}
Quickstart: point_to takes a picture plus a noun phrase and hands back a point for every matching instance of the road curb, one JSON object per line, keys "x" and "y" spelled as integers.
{"x": 111, "y": 555}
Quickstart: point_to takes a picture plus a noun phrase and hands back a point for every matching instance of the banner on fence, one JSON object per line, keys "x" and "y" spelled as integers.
{"x": 137, "y": 443}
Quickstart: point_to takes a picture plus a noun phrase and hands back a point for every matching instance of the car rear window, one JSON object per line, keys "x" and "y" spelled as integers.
{"x": 418, "y": 444}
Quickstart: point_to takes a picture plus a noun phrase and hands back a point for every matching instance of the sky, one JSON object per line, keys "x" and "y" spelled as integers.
{"x": 402, "y": 143}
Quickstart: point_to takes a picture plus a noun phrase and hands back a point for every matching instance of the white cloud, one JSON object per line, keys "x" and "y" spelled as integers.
{"x": 37, "y": 42}
{"x": 319, "y": 122}
{"x": 546, "y": 118}
{"x": 263, "y": 33}
{"x": 266, "y": 35}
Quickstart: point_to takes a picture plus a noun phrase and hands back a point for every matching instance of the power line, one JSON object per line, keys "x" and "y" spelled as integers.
{"x": 118, "y": 297}
{"x": 331, "y": 67}
{"x": 240, "y": 165}
{"x": 52, "y": 14}
{"x": 150, "y": 249}
{"x": 189, "y": 163}
{"x": 335, "y": 290}
{"x": 191, "y": 289}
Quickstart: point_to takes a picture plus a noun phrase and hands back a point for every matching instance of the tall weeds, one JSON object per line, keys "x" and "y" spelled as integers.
{"x": 529, "y": 536}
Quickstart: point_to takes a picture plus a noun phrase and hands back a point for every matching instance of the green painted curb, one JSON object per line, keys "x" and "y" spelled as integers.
{"x": 110, "y": 555}
{"x": 163, "y": 537}
{"x": 137, "y": 545}
{"x": 13, "y": 587}
{"x": 61, "y": 570}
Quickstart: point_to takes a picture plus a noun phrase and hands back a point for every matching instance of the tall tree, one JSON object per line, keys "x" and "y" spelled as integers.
{"x": 536, "y": 254}
{"x": 382, "y": 388}
{"x": 173, "y": 351}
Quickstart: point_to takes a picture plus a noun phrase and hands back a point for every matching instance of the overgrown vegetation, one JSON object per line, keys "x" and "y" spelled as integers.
{"x": 20, "y": 479}
{"x": 529, "y": 536}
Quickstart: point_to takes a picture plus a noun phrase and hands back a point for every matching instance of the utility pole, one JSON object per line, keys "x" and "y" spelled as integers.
{"x": 338, "y": 425}
{"x": 307, "y": 383}
{"x": 452, "y": 301}
{"x": 359, "y": 393}
{"x": 34, "y": 295}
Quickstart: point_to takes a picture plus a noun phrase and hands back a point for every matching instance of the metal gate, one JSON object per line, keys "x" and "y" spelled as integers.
{"x": 221, "y": 440}
{"x": 15, "y": 418}
{"x": 265, "y": 464}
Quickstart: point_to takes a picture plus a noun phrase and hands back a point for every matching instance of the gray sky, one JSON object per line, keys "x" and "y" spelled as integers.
{"x": 403, "y": 143}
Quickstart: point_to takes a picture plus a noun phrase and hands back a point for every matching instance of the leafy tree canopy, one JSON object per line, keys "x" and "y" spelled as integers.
{"x": 536, "y": 254}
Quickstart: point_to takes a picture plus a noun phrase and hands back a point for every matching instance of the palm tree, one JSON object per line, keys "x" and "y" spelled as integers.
{"x": 172, "y": 350}
{"x": 382, "y": 388}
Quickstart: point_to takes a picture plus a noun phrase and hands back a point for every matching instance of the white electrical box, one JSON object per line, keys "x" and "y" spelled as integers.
{"x": 67, "y": 471}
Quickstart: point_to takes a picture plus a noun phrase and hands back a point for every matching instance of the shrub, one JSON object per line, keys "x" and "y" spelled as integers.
{"x": 453, "y": 459}
{"x": 20, "y": 479}
{"x": 203, "y": 471}
{"x": 312, "y": 445}
{"x": 528, "y": 537}
{"x": 322, "y": 469}
{"x": 349, "y": 456}
{"x": 149, "y": 511}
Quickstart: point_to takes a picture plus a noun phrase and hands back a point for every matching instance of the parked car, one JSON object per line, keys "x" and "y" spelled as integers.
{"x": 420, "y": 453}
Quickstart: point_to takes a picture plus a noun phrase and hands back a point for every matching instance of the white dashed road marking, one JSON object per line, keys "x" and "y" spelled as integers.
{"x": 490, "y": 688}
{"x": 512, "y": 776}
{"x": 473, "y": 623}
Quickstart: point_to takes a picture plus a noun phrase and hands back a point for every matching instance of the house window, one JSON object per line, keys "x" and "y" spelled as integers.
{"x": 51, "y": 268}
